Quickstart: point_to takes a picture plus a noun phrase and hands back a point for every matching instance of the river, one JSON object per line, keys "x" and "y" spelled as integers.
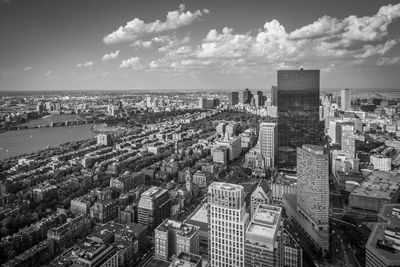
{"x": 14, "y": 143}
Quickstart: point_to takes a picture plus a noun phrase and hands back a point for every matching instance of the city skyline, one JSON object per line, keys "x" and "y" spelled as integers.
{"x": 75, "y": 45}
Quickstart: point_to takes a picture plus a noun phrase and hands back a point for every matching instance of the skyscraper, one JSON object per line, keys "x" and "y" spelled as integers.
{"x": 345, "y": 99}
{"x": 268, "y": 142}
{"x": 348, "y": 140}
{"x": 245, "y": 97}
{"x": 298, "y": 108}
{"x": 313, "y": 193}
{"x": 263, "y": 246}
{"x": 227, "y": 224}
{"x": 233, "y": 98}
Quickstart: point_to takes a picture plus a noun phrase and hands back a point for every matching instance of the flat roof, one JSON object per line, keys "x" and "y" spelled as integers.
{"x": 378, "y": 184}
{"x": 378, "y": 233}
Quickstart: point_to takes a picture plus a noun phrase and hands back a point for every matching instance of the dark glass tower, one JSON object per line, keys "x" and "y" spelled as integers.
{"x": 298, "y": 109}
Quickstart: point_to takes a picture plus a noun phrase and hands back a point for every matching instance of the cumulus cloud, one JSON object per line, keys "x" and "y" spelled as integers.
{"x": 132, "y": 63}
{"x": 162, "y": 43}
{"x": 48, "y": 73}
{"x": 111, "y": 55}
{"x": 137, "y": 28}
{"x": 86, "y": 64}
{"x": 327, "y": 43}
{"x": 28, "y": 68}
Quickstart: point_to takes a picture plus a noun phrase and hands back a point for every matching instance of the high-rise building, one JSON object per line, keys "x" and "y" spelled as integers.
{"x": 104, "y": 139}
{"x": 148, "y": 101}
{"x": 173, "y": 237}
{"x": 345, "y": 99}
{"x": 313, "y": 193}
{"x": 268, "y": 142}
{"x": 227, "y": 224}
{"x": 259, "y": 99}
{"x": 298, "y": 108}
{"x": 263, "y": 245}
{"x": 245, "y": 97}
{"x": 154, "y": 206}
{"x": 274, "y": 96}
{"x": 233, "y": 98}
{"x": 348, "y": 140}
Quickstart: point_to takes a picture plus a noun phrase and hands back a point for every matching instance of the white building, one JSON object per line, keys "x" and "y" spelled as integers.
{"x": 381, "y": 163}
{"x": 345, "y": 99}
{"x": 228, "y": 221}
{"x": 268, "y": 142}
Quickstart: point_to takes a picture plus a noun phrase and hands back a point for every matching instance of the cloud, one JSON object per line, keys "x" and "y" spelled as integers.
{"x": 385, "y": 61}
{"x": 163, "y": 43}
{"x": 327, "y": 43}
{"x": 111, "y": 55}
{"x": 104, "y": 74}
{"x": 5, "y": 1}
{"x": 132, "y": 63}
{"x": 49, "y": 73}
{"x": 87, "y": 64}
{"x": 136, "y": 28}
{"x": 28, "y": 68}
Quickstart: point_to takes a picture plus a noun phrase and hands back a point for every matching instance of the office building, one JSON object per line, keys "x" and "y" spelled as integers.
{"x": 173, "y": 237}
{"x": 268, "y": 142}
{"x": 298, "y": 108}
{"x": 263, "y": 245}
{"x": 260, "y": 195}
{"x": 104, "y": 139}
{"x": 154, "y": 206}
{"x": 345, "y": 99}
{"x": 348, "y": 140}
{"x": 227, "y": 224}
{"x": 310, "y": 208}
{"x": 81, "y": 205}
{"x": 382, "y": 248}
{"x": 274, "y": 96}
{"x": 233, "y": 98}
{"x": 202, "y": 179}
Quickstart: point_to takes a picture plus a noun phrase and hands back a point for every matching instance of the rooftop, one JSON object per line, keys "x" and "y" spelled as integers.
{"x": 379, "y": 184}
{"x": 284, "y": 179}
{"x": 154, "y": 192}
{"x": 265, "y": 225}
{"x": 387, "y": 253}
{"x": 225, "y": 186}
{"x": 199, "y": 217}
{"x": 182, "y": 229}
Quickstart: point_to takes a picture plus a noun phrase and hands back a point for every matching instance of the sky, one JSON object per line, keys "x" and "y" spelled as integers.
{"x": 132, "y": 44}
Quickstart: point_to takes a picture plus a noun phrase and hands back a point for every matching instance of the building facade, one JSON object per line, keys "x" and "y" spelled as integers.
{"x": 227, "y": 224}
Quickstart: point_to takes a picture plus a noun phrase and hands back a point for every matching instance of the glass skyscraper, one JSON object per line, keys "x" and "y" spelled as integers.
{"x": 298, "y": 108}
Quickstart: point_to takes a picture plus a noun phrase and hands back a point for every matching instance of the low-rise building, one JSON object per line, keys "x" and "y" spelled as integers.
{"x": 378, "y": 189}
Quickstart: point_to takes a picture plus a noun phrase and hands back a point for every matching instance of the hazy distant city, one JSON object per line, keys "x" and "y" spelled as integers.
{"x": 188, "y": 143}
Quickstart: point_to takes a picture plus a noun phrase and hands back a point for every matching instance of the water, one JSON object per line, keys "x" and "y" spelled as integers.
{"x": 14, "y": 143}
